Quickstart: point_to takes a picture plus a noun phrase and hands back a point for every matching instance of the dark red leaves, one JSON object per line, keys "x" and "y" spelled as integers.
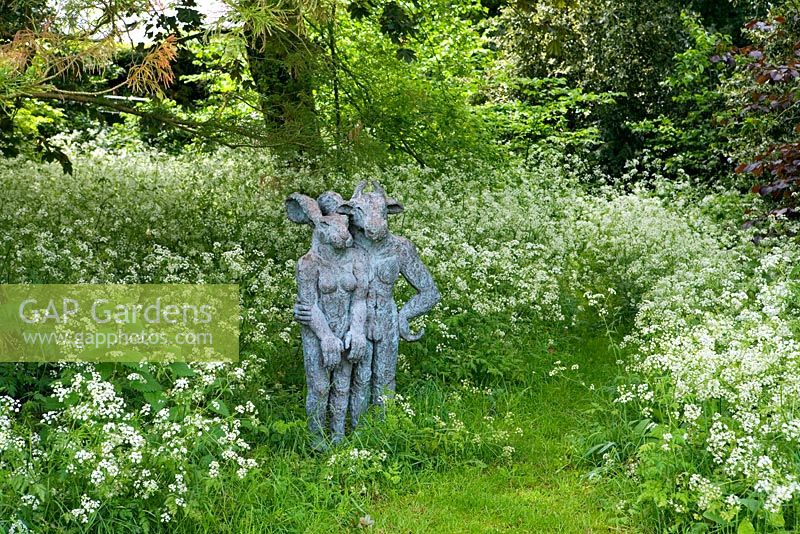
{"x": 760, "y": 25}
{"x": 775, "y": 92}
{"x": 755, "y": 168}
{"x": 782, "y": 164}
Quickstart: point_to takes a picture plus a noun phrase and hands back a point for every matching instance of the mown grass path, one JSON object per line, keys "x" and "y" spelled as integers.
{"x": 543, "y": 489}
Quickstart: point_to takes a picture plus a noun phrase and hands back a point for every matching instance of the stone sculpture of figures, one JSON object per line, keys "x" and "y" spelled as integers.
{"x": 385, "y": 258}
{"x": 332, "y": 285}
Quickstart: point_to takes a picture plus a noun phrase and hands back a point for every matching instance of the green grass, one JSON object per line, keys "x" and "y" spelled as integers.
{"x": 543, "y": 488}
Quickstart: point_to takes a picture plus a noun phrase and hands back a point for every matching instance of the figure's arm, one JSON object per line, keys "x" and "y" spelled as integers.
{"x": 418, "y": 276}
{"x": 307, "y": 275}
{"x": 358, "y": 311}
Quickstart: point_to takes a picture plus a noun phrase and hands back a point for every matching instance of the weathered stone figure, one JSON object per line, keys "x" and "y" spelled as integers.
{"x": 388, "y": 256}
{"x": 332, "y": 285}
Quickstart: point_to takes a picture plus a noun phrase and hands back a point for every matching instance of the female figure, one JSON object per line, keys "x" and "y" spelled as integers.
{"x": 390, "y": 256}
{"x": 332, "y": 285}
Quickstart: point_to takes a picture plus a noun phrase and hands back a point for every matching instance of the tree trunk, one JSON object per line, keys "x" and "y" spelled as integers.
{"x": 280, "y": 64}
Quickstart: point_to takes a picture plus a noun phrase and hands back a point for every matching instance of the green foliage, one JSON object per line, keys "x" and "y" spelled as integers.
{"x": 516, "y": 249}
{"x": 688, "y": 139}
{"x": 603, "y": 47}
{"x": 409, "y": 97}
{"x": 28, "y": 130}
{"x": 21, "y": 15}
{"x": 488, "y": 122}
{"x": 386, "y": 82}
{"x": 708, "y": 366}
{"x": 524, "y": 112}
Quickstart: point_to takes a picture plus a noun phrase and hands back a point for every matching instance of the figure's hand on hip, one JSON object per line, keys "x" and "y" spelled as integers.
{"x": 405, "y": 330}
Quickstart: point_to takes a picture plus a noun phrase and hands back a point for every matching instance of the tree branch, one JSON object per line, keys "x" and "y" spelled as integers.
{"x": 203, "y": 129}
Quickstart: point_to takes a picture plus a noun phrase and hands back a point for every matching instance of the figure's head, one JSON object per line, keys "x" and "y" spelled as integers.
{"x": 370, "y": 211}
{"x": 329, "y": 227}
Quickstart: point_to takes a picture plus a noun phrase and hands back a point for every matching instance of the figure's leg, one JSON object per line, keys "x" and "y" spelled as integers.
{"x": 340, "y": 390}
{"x": 384, "y": 369}
{"x": 359, "y": 388}
{"x": 318, "y": 386}
{"x": 384, "y": 364}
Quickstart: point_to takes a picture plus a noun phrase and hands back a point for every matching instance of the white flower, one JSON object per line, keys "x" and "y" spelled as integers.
{"x": 213, "y": 469}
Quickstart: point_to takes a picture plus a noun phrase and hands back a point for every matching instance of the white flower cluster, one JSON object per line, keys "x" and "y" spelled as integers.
{"x": 719, "y": 337}
{"x": 9, "y": 440}
{"x": 109, "y": 449}
{"x": 87, "y": 508}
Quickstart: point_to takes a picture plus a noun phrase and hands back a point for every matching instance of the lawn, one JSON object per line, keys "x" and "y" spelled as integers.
{"x": 546, "y": 488}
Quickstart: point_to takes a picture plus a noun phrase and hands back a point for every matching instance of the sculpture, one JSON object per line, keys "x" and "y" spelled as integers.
{"x": 389, "y": 257}
{"x": 332, "y": 285}
{"x": 385, "y": 257}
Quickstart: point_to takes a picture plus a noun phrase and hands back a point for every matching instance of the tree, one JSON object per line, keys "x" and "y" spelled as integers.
{"x": 281, "y": 61}
{"x": 382, "y": 78}
{"x": 66, "y": 57}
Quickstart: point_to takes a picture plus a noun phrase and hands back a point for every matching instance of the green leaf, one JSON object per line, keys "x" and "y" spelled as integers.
{"x": 105, "y": 369}
{"x": 715, "y": 517}
{"x": 39, "y": 490}
{"x": 477, "y": 463}
{"x": 751, "y": 504}
{"x": 280, "y": 427}
{"x": 600, "y": 448}
{"x": 219, "y": 407}
{"x": 181, "y": 369}
{"x": 149, "y": 385}
{"x": 155, "y": 399}
{"x": 745, "y": 527}
{"x": 18, "y": 483}
{"x": 47, "y": 403}
{"x": 641, "y": 427}
{"x": 775, "y": 519}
